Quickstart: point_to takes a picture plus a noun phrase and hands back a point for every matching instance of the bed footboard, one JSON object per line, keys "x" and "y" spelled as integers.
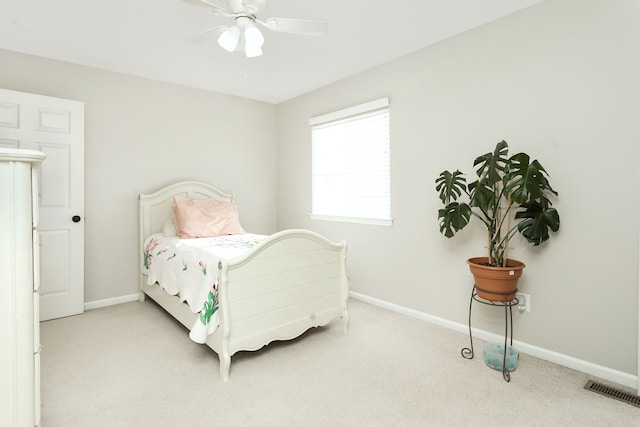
{"x": 293, "y": 281}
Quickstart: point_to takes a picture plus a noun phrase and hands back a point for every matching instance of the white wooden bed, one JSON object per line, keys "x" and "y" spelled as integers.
{"x": 290, "y": 282}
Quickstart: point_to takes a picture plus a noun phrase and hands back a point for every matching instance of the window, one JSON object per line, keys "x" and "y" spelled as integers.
{"x": 350, "y": 164}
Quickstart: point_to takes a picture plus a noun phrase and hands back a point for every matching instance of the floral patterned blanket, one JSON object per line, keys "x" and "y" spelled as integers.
{"x": 188, "y": 268}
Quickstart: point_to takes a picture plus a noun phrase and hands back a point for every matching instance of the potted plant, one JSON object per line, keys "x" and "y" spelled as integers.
{"x": 510, "y": 195}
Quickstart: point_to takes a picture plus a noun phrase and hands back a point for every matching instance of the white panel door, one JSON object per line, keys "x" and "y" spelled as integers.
{"x": 56, "y": 127}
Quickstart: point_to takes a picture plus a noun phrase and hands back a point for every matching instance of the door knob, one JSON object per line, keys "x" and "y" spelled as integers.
{"x": 76, "y": 218}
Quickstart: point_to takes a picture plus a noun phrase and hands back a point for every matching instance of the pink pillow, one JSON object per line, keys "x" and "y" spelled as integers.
{"x": 205, "y": 218}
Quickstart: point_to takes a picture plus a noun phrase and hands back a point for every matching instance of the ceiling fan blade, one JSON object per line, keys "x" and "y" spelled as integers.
{"x": 217, "y": 10}
{"x": 305, "y": 27}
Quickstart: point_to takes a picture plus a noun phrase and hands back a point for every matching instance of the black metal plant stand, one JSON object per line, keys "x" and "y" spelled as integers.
{"x": 467, "y": 352}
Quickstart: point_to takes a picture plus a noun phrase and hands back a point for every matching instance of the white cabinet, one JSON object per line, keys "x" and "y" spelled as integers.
{"x": 19, "y": 283}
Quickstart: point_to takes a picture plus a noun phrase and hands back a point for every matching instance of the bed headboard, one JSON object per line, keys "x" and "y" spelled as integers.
{"x": 155, "y": 208}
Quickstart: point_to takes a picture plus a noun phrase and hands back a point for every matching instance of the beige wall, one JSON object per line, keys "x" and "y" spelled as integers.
{"x": 141, "y": 135}
{"x": 559, "y": 81}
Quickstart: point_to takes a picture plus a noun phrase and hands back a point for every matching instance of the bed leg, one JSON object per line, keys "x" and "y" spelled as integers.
{"x": 143, "y": 296}
{"x": 345, "y": 320}
{"x": 225, "y": 365}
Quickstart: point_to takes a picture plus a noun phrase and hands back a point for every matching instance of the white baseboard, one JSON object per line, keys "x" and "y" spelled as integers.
{"x": 92, "y": 305}
{"x": 599, "y": 371}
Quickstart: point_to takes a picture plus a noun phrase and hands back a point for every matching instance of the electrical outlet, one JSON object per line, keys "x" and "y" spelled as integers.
{"x": 525, "y": 302}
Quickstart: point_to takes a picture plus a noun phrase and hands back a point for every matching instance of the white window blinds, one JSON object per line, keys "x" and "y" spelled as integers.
{"x": 350, "y": 164}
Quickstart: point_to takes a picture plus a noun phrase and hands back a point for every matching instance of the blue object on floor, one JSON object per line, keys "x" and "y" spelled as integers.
{"x": 494, "y": 356}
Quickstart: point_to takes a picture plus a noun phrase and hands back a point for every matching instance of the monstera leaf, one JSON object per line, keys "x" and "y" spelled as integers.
{"x": 537, "y": 220}
{"x": 453, "y": 218}
{"x": 525, "y": 181}
{"x": 451, "y": 186}
{"x": 492, "y": 165}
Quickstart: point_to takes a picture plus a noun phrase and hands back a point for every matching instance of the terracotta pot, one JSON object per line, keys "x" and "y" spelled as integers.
{"x": 495, "y": 283}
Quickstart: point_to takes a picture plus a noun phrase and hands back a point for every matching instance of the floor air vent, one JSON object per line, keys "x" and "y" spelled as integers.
{"x": 613, "y": 393}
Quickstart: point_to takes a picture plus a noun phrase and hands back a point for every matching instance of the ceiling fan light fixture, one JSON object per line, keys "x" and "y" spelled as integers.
{"x": 252, "y": 35}
{"x": 229, "y": 38}
{"x": 252, "y": 51}
{"x": 253, "y": 40}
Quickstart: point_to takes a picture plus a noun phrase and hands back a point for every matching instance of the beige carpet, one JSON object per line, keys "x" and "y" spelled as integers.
{"x": 133, "y": 365}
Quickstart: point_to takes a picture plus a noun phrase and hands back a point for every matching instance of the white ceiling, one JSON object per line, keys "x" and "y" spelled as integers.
{"x": 151, "y": 38}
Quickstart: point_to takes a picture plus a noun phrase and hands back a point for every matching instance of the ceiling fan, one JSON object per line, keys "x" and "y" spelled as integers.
{"x": 245, "y": 13}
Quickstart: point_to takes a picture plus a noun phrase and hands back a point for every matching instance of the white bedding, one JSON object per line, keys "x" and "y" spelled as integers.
{"x": 188, "y": 268}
